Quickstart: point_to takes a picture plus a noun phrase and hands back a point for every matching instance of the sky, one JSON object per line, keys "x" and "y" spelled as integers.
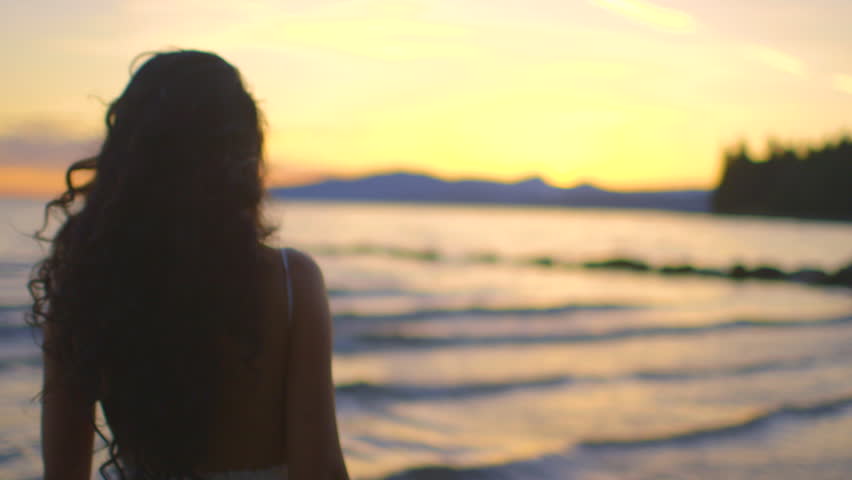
{"x": 626, "y": 94}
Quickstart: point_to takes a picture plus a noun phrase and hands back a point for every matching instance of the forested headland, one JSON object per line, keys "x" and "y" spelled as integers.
{"x": 814, "y": 181}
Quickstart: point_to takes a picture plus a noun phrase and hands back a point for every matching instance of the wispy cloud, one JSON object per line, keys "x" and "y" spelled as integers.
{"x": 660, "y": 18}
{"x": 33, "y": 158}
{"x": 383, "y": 38}
{"x": 43, "y": 149}
{"x": 776, "y": 59}
{"x": 377, "y": 29}
{"x": 842, "y": 82}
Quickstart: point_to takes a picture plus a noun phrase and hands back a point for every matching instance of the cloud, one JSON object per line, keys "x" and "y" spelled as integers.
{"x": 842, "y": 82}
{"x": 775, "y": 59}
{"x": 660, "y": 18}
{"x": 43, "y": 148}
{"x": 383, "y": 38}
{"x": 375, "y": 29}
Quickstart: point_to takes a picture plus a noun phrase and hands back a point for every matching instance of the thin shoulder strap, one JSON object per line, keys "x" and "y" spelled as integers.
{"x": 289, "y": 285}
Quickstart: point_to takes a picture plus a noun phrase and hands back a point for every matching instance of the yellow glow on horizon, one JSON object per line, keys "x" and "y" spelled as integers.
{"x": 569, "y": 91}
{"x": 31, "y": 182}
{"x": 546, "y": 120}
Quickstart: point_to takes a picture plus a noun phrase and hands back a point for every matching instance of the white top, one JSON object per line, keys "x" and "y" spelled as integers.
{"x": 273, "y": 473}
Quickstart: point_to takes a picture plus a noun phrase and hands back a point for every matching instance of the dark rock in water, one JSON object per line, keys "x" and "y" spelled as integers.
{"x": 842, "y": 277}
{"x": 763, "y": 272}
{"x": 364, "y": 249}
{"x": 427, "y": 255}
{"x": 809, "y": 275}
{"x": 423, "y": 255}
{"x": 620, "y": 264}
{"x": 738, "y": 272}
{"x": 326, "y": 250}
{"x": 483, "y": 257}
{"x": 542, "y": 261}
{"x": 677, "y": 270}
{"x": 709, "y": 272}
{"x": 767, "y": 273}
{"x": 446, "y": 473}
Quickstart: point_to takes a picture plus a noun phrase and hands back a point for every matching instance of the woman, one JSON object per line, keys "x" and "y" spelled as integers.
{"x": 208, "y": 351}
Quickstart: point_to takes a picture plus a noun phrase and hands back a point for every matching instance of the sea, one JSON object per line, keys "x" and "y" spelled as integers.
{"x": 471, "y": 343}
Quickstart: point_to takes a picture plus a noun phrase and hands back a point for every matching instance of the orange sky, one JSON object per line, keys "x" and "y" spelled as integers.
{"x": 629, "y": 94}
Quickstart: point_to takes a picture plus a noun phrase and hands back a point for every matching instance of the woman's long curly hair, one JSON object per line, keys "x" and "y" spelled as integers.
{"x": 157, "y": 261}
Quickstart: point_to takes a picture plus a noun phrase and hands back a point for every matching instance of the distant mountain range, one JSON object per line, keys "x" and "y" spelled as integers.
{"x": 408, "y": 187}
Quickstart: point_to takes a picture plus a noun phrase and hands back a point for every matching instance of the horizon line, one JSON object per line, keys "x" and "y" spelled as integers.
{"x": 321, "y": 178}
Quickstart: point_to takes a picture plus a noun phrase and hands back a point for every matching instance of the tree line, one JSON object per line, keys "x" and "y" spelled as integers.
{"x": 810, "y": 182}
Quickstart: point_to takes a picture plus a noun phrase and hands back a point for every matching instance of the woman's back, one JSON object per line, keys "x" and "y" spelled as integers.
{"x": 282, "y": 413}
{"x": 159, "y": 300}
{"x": 265, "y": 404}
{"x": 249, "y": 430}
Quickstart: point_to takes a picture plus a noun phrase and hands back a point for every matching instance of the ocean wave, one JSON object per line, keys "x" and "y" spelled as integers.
{"x": 372, "y": 391}
{"x": 15, "y": 267}
{"x": 12, "y": 318}
{"x": 449, "y": 473}
{"x": 26, "y": 360}
{"x": 396, "y": 341}
{"x": 370, "y": 292}
{"x": 15, "y": 331}
{"x": 565, "y": 464}
{"x": 14, "y": 308}
{"x": 408, "y": 392}
{"x": 842, "y": 276}
{"x": 760, "y": 420}
{"x": 431, "y": 314}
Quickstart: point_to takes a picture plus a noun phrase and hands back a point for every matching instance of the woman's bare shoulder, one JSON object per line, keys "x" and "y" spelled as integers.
{"x": 303, "y": 268}
{"x": 309, "y": 295}
{"x": 312, "y": 438}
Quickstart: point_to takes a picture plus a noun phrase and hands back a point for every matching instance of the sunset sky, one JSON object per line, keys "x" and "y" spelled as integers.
{"x": 627, "y": 94}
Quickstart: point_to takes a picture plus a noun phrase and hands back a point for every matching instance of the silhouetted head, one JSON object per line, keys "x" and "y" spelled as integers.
{"x": 157, "y": 261}
{"x": 185, "y": 121}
